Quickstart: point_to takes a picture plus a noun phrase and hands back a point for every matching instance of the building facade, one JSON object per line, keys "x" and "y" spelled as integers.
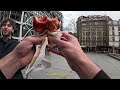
{"x": 114, "y": 35}
{"x": 93, "y": 31}
{"x": 24, "y": 21}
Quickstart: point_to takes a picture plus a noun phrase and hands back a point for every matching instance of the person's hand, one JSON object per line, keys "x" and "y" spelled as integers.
{"x": 20, "y": 57}
{"x": 70, "y": 48}
{"x": 76, "y": 58}
{"x": 25, "y": 50}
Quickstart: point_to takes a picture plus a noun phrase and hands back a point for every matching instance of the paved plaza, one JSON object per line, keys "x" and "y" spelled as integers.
{"x": 61, "y": 70}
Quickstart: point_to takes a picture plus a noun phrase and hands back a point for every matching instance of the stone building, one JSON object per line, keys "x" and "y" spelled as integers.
{"x": 92, "y": 31}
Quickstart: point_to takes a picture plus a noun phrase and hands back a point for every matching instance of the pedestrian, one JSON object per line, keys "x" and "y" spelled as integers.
{"x": 7, "y": 43}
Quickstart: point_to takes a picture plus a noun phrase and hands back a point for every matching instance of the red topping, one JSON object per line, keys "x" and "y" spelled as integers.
{"x": 45, "y": 23}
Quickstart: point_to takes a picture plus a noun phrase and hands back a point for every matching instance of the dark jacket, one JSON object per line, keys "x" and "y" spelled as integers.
{"x": 101, "y": 75}
{"x": 7, "y": 47}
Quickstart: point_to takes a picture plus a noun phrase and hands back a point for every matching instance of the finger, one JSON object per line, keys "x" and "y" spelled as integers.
{"x": 36, "y": 34}
{"x": 60, "y": 43}
{"x": 63, "y": 38}
{"x": 49, "y": 34}
{"x": 67, "y": 36}
{"x": 53, "y": 33}
{"x": 35, "y": 40}
{"x": 45, "y": 35}
{"x": 57, "y": 52}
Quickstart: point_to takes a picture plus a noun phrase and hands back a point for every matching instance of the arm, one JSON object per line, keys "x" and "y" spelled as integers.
{"x": 76, "y": 58}
{"x": 20, "y": 56}
{"x": 9, "y": 65}
{"x": 85, "y": 68}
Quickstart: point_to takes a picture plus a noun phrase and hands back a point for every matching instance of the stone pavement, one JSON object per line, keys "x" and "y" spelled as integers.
{"x": 110, "y": 65}
{"x": 61, "y": 70}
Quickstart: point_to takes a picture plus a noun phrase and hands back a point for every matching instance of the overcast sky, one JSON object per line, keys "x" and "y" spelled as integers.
{"x": 68, "y": 15}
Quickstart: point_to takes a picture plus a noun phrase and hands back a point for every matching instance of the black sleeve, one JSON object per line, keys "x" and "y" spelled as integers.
{"x": 2, "y": 75}
{"x": 101, "y": 75}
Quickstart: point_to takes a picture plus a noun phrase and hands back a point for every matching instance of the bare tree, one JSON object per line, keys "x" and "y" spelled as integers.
{"x": 71, "y": 26}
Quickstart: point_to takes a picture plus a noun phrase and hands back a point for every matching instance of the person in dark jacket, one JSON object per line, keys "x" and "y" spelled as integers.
{"x": 7, "y": 43}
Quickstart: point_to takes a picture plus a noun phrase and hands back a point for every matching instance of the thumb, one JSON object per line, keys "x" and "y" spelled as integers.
{"x": 35, "y": 40}
{"x": 60, "y": 43}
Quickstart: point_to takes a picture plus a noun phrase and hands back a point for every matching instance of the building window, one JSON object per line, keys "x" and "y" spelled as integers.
{"x": 92, "y": 23}
{"x": 93, "y": 33}
{"x": 119, "y": 28}
{"x": 99, "y": 28}
{"x": 88, "y": 28}
{"x": 119, "y": 33}
{"x": 87, "y": 43}
{"x": 87, "y": 23}
{"x": 87, "y": 38}
{"x": 83, "y": 38}
{"x": 99, "y": 23}
{"x": 104, "y": 28}
{"x": 99, "y": 43}
{"x": 99, "y": 39}
{"x": 103, "y": 23}
{"x": 112, "y": 27}
{"x": 84, "y": 34}
{"x": 87, "y": 33}
{"x": 93, "y": 28}
{"x": 113, "y": 38}
{"x": 83, "y": 43}
{"x": 104, "y": 34}
{"x": 84, "y": 24}
{"x": 99, "y": 33}
{"x": 93, "y": 43}
{"x": 93, "y": 38}
{"x": 113, "y": 33}
{"x": 104, "y": 44}
{"x": 83, "y": 28}
{"x": 104, "y": 38}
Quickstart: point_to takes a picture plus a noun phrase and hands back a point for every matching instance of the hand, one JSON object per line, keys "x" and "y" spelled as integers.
{"x": 20, "y": 56}
{"x": 76, "y": 58}
{"x": 70, "y": 48}
{"x": 25, "y": 50}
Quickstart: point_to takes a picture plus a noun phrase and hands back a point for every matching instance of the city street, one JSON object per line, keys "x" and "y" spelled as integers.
{"x": 61, "y": 70}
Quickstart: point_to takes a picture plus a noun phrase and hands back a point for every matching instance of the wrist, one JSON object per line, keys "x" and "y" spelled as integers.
{"x": 86, "y": 69}
{"x": 9, "y": 65}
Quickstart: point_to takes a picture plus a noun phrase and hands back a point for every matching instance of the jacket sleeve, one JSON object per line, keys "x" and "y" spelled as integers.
{"x": 2, "y": 75}
{"x": 101, "y": 75}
